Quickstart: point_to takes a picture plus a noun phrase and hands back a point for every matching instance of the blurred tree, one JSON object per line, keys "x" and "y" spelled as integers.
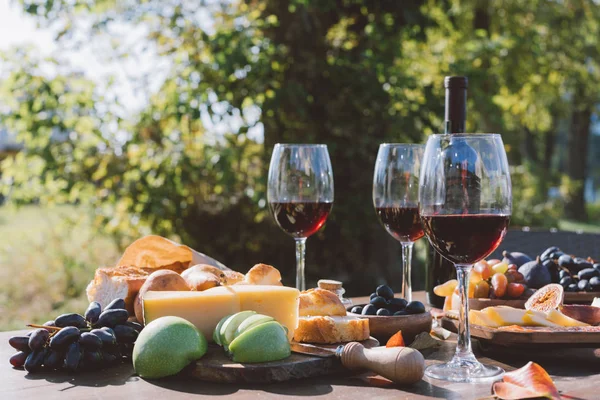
{"x": 348, "y": 73}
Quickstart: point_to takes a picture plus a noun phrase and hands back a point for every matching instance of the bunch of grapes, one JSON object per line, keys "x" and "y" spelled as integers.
{"x": 74, "y": 342}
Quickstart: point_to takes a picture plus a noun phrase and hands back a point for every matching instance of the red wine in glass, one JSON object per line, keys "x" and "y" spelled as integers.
{"x": 300, "y": 219}
{"x": 466, "y": 238}
{"x": 403, "y": 223}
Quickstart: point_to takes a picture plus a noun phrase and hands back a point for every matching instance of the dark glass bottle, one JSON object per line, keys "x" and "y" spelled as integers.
{"x": 439, "y": 269}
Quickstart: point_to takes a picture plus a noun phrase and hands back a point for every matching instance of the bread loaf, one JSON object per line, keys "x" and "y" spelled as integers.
{"x": 116, "y": 283}
{"x": 320, "y": 302}
{"x": 334, "y": 329}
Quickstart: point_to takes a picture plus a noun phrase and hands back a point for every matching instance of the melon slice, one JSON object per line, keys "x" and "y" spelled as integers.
{"x": 562, "y": 320}
{"x": 479, "y": 318}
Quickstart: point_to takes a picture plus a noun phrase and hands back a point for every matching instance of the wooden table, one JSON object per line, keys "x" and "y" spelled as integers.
{"x": 576, "y": 373}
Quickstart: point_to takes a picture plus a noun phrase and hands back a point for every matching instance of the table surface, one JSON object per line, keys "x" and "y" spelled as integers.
{"x": 576, "y": 373}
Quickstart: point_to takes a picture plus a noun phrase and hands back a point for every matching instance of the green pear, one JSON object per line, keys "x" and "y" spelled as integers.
{"x": 251, "y": 322}
{"x": 228, "y": 328}
{"x": 264, "y": 342}
{"x": 217, "y": 332}
{"x": 165, "y": 346}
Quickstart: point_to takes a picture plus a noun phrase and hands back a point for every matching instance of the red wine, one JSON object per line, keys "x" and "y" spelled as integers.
{"x": 467, "y": 238}
{"x": 300, "y": 219}
{"x": 403, "y": 223}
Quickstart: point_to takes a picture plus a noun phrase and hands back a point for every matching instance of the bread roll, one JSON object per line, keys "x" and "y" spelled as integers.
{"x": 262, "y": 274}
{"x": 200, "y": 280}
{"x": 158, "y": 281}
{"x": 116, "y": 283}
{"x": 226, "y": 277}
{"x": 326, "y": 330}
{"x": 320, "y": 302}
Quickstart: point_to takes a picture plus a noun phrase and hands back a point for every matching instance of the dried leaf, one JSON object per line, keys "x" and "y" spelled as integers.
{"x": 424, "y": 340}
{"x": 377, "y": 380}
{"x": 528, "y": 382}
{"x": 396, "y": 340}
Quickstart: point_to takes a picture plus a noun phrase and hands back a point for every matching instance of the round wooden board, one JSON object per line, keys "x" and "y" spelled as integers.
{"x": 215, "y": 366}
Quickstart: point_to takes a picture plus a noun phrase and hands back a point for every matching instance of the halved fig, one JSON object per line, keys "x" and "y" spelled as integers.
{"x": 546, "y": 298}
{"x": 583, "y": 313}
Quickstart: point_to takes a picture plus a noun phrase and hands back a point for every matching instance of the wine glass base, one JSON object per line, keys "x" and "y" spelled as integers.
{"x": 464, "y": 371}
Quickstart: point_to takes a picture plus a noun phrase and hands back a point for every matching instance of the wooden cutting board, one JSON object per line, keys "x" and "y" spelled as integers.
{"x": 215, "y": 366}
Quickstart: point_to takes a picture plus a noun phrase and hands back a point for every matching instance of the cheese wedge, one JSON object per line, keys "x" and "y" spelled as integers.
{"x": 503, "y": 315}
{"x": 205, "y": 309}
{"x": 477, "y": 317}
{"x": 562, "y": 320}
{"x": 538, "y": 318}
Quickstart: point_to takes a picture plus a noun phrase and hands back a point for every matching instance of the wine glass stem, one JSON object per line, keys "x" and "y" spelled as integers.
{"x": 463, "y": 347}
{"x": 406, "y": 260}
{"x": 300, "y": 249}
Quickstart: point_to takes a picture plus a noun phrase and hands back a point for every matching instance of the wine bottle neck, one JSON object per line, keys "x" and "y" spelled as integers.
{"x": 455, "y": 110}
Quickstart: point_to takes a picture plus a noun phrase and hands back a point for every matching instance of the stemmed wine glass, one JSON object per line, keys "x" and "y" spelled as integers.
{"x": 465, "y": 203}
{"x": 396, "y": 199}
{"x": 300, "y": 194}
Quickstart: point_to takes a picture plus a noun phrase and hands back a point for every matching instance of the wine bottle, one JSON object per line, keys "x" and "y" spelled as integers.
{"x": 461, "y": 184}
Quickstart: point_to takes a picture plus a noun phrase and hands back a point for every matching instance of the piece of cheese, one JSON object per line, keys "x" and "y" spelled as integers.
{"x": 561, "y": 319}
{"x": 504, "y": 316}
{"x": 279, "y": 302}
{"x": 203, "y": 309}
{"x": 479, "y": 318}
{"x": 538, "y": 318}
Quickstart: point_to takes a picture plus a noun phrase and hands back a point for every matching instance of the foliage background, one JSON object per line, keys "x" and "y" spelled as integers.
{"x": 348, "y": 73}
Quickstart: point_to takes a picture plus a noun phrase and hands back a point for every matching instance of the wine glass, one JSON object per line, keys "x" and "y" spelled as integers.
{"x": 396, "y": 199}
{"x": 465, "y": 203}
{"x": 300, "y": 194}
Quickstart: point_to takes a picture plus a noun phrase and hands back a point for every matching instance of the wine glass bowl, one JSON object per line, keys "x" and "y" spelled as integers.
{"x": 396, "y": 199}
{"x": 465, "y": 203}
{"x": 300, "y": 193}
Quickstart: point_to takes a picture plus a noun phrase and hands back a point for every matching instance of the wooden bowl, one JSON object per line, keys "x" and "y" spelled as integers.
{"x": 383, "y": 327}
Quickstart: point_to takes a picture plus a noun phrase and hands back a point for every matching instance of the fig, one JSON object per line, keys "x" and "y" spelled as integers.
{"x": 546, "y": 298}
{"x": 546, "y": 255}
{"x": 536, "y": 274}
{"x": 584, "y": 313}
{"x": 516, "y": 258}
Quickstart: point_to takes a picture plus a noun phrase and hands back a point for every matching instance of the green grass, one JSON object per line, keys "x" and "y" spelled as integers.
{"x": 576, "y": 226}
{"x": 47, "y": 257}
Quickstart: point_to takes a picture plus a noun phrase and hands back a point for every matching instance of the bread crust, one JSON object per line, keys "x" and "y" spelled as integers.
{"x": 320, "y": 302}
{"x": 328, "y": 330}
{"x": 126, "y": 279}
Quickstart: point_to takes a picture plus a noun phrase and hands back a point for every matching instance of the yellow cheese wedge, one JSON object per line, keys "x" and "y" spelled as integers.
{"x": 279, "y": 302}
{"x": 538, "y": 318}
{"x": 504, "y": 316}
{"x": 561, "y": 319}
{"x": 203, "y": 309}
{"x": 477, "y": 317}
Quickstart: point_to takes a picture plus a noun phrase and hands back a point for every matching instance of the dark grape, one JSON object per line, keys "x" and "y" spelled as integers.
{"x": 373, "y": 295}
{"x": 385, "y": 291}
{"x": 72, "y": 319}
{"x": 116, "y": 304}
{"x": 134, "y": 325}
{"x": 110, "y": 318}
{"x": 64, "y": 338}
{"x": 73, "y": 357}
{"x": 93, "y": 312}
{"x": 566, "y": 281}
{"x": 54, "y": 359}
{"x": 92, "y": 358}
{"x": 18, "y": 359}
{"x": 547, "y": 253}
{"x": 109, "y": 358}
{"x": 401, "y": 312}
{"x": 571, "y": 287}
{"x": 107, "y": 336}
{"x": 38, "y": 339}
{"x": 588, "y": 273}
{"x": 563, "y": 274}
{"x": 20, "y": 343}
{"x": 584, "y": 285}
{"x": 126, "y": 349}
{"x": 379, "y": 302}
{"x": 34, "y": 360}
{"x": 396, "y": 304}
{"x": 595, "y": 284}
{"x": 125, "y": 334}
{"x": 415, "y": 307}
{"x": 356, "y": 309}
{"x": 90, "y": 341}
{"x": 383, "y": 312}
{"x": 369, "y": 309}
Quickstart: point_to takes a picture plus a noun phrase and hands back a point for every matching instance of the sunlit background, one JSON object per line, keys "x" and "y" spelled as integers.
{"x": 123, "y": 118}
